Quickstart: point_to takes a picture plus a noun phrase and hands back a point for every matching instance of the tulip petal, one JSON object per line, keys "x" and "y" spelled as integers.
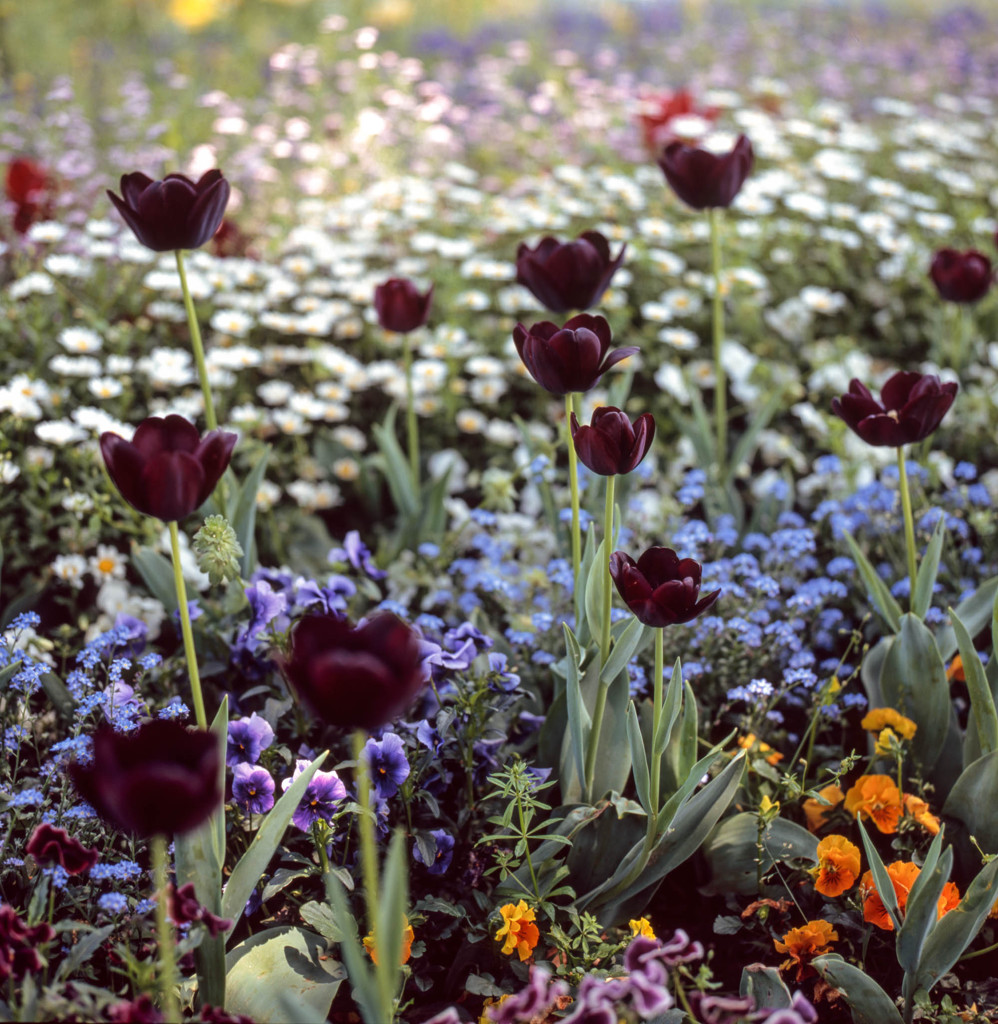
{"x": 171, "y": 483}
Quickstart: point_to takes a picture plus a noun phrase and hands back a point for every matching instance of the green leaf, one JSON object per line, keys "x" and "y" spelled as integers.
{"x": 585, "y": 565}
{"x": 920, "y": 914}
{"x": 982, "y": 703}
{"x": 882, "y": 880}
{"x": 62, "y": 699}
{"x": 157, "y": 572}
{"x": 396, "y": 466}
{"x": 253, "y": 863}
{"x": 889, "y": 609}
{"x": 672, "y": 702}
{"x": 594, "y": 591}
{"x": 393, "y": 902}
{"x": 363, "y": 983}
{"x": 765, "y": 986}
{"x": 613, "y": 758}
{"x": 925, "y": 579}
{"x": 629, "y": 643}
{"x": 869, "y": 1003}
{"x": 320, "y": 917}
{"x": 282, "y": 975}
{"x": 956, "y": 930}
{"x": 579, "y": 721}
{"x": 973, "y": 798}
{"x": 243, "y": 519}
{"x": 975, "y": 612}
{"x": 639, "y": 761}
{"x": 84, "y": 949}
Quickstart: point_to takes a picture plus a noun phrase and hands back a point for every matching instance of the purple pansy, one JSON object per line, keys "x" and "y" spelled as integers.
{"x": 266, "y": 604}
{"x": 388, "y": 764}
{"x": 252, "y": 788}
{"x": 444, "y": 853}
{"x": 358, "y": 555}
{"x": 248, "y": 738}
{"x": 324, "y": 791}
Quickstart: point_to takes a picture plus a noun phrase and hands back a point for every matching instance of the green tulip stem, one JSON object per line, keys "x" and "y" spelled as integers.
{"x": 655, "y": 759}
{"x": 573, "y": 483}
{"x": 196, "y": 345}
{"x": 604, "y": 640}
{"x": 365, "y": 824}
{"x": 412, "y": 423}
{"x": 964, "y": 334}
{"x": 164, "y": 932}
{"x": 720, "y": 382}
{"x": 185, "y": 628}
{"x": 909, "y": 522}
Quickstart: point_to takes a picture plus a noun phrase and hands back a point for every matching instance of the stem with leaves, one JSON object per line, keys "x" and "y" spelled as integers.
{"x": 909, "y": 523}
{"x": 185, "y": 628}
{"x": 196, "y": 344}
{"x": 573, "y": 483}
{"x": 164, "y": 932}
{"x": 720, "y": 382}
{"x": 412, "y": 423}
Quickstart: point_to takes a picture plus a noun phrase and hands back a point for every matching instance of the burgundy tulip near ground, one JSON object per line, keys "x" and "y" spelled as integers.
{"x": 611, "y": 445}
{"x": 963, "y": 277}
{"x": 566, "y": 276}
{"x": 400, "y": 306}
{"x": 703, "y": 179}
{"x": 661, "y": 589}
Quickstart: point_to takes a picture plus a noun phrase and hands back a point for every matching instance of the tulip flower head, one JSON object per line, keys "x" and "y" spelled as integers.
{"x": 611, "y": 444}
{"x": 661, "y": 589}
{"x": 663, "y": 116}
{"x": 400, "y": 306}
{"x": 175, "y": 213}
{"x": 569, "y": 358}
{"x": 30, "y": 188}
{"x": 704, "y": 179}
{"x": 961, "y": 276}
{"x": 358, "y": 677}
{"x": 161, "y": 779}
{"x": 567, "y": 276}
{"x": 911, "y": 407}
{"x": 167, "y": 470}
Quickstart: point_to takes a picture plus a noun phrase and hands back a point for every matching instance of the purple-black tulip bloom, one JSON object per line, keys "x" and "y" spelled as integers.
{"x": 661, "y": 589}
{"x": 51, "y": 845}
{"x": 611, "y": 444}
{"x": 168, "y": 469}
{"x": 911, "y": 407}
{"x": 961, "y": 276}
{"x": 400, "y": 306}
{"x": 325, "y": 790}
{"x": 358, "y": 677}
{"x": 175, "y": 213}
{"x": 703, "y": 179}
{"x": 248, "y": 738}
{"x": 161, "y": 779}
{"x": 388, "y": 764}
{"x": 252, "y": 788}
{"x": 569, "y": 358}
{"x": 443, "y": 856}
{"x": 567, "y": 276}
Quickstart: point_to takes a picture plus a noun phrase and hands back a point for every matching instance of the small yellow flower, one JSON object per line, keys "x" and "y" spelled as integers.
{"x": 877, "y": 718}
{"x": 769, "y": 808}
{"x": 641, "y": 926}
{"x": 887, "y": 742}
{"x": 518, "y": 930}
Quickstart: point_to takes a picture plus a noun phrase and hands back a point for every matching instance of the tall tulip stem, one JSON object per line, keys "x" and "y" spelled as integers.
{"x": 909, "y": 522}
{"x": 604, "y": 640}
{"x": 365, "y": 825}
{"x": 164, "y": 932}
{"x": 573, "y": 483}
{"x": 654, "y": 759}
{"x": 720, "y": 382}
{"x": 196, "y": 345}
{"x": 185, "y": 628}
{"x": 412, "y": 423}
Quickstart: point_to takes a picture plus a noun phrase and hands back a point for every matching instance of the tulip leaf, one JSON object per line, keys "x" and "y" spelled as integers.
{"x": 913, "y": 681}
{"x": 925, "y": 580}
{"x": 639, "y": 761}
{"x": 613, "y": 757}
{"x": 699, "y": 429}
{"x": 869, "y": 1003}
{"x": 882, "y": 880}
{"x": 629, "y": 643}
{"x": 244, "y": 513}
{"x": 671, "y": 705}
{"x": 588, "y": 555}
{"x": 282, "y": 974}
{"x": 765, "y": 986}
{"x": 889, "y": 609}
{"x": 973, "y": 798}
{"x": 248, "y": 872}
{"x": 594, "y": 590}
{"x": 982, "y": 702}
{"x": 393, "y": 901}
{"x": 955, "y": 931}
{"x": 363, "y": 982}
{"x": 157, "y": 572}
{"x": 55, "y": 689}
{"x": 921, "y": 914}
{"x": 975, "y": 612}
{"x": 579, "y": 722}
{"x": 395, "y": 466}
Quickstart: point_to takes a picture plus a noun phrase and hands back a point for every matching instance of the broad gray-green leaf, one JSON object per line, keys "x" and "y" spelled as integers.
{"x": 982, "y": 703}
{"x": 884, "y": 602}
{"x": 869, "y": 1003}
{"x": 882, "y": 880}
{"x": 244, "y": 516}
{"x": 925, "y": 579}
{"x": 921, "y": 911}
{"x": 157, "y": 572}
{"x": 975, "y": 613}
{"x": 973, "y": 799}
{"x": 625, "y": 647}
{"x": 639, "y": 761}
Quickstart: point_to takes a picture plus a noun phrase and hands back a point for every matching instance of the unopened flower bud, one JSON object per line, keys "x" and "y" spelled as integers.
{"x": 218, "y": 550}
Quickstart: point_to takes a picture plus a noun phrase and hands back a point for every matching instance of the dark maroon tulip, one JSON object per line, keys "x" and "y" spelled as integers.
{"x": 30, "y": 188}
{"x": 168, "y": 469}
{"x": 567, "y": 276}
{"x": 184, "y": 909}
{"x": 569, "y": 358}
{"x": 400, "y": 305}
{"x": 661, "y": 589}
{"x": 358, "y": 677}
{"x": 175, "y": 213}
{"x": 961, "y": 276}
{"x": 911, "y": 406}
{"x": 51, "y": 845}
{"x": 611, "y": 444}
{"x": 19, "y": 944}
{"x": 161, "y": 779}
{"x": 701, "y": 178}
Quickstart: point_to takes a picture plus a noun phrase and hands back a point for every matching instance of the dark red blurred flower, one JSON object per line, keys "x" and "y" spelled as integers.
{"x": 138, "y": 1011}
{"x": 400, "y": 306}
{"x": 231, "y": 240}
{"x": 168, "y": 469}
{"x": 611, "y": 444}
{"x": 216, "y": 1015}
{"x": 567, "y": 276}
{"x": 184, "y": 908}
{"x": 657, "y": 112}
{"x": 569, "y": 358}
{"x": 163, "y": 778}
{"x": 19, "y": 944}
{"x": 358, "y": 677}
{"x": 51, "y": 845}
{"x": 961, "y": 276}
{"x": 703, "y": 179}
{"x": 175, "y": 213}
{"x": 661, "y": 589}
{"x": 30, "y": 188}
{"x": 911, "y": 406}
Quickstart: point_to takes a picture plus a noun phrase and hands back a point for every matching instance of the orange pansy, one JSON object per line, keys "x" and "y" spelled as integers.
{"x": 948, "y": 900}
{"x": 370, "y": 942}
{"x": 902, "y": 875}
{"x": 838, "y": 866}
{"x": 804, "y": 944}
{"x": 816, "y": 812}
{"x": 518, "y": 929}
{"x": 752, "y": 743}
{"x": 919, "y": 810}
{"x": 875, "y": 797}
{"x": 955, "y": 670}
{"x": 880, "y": 718}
